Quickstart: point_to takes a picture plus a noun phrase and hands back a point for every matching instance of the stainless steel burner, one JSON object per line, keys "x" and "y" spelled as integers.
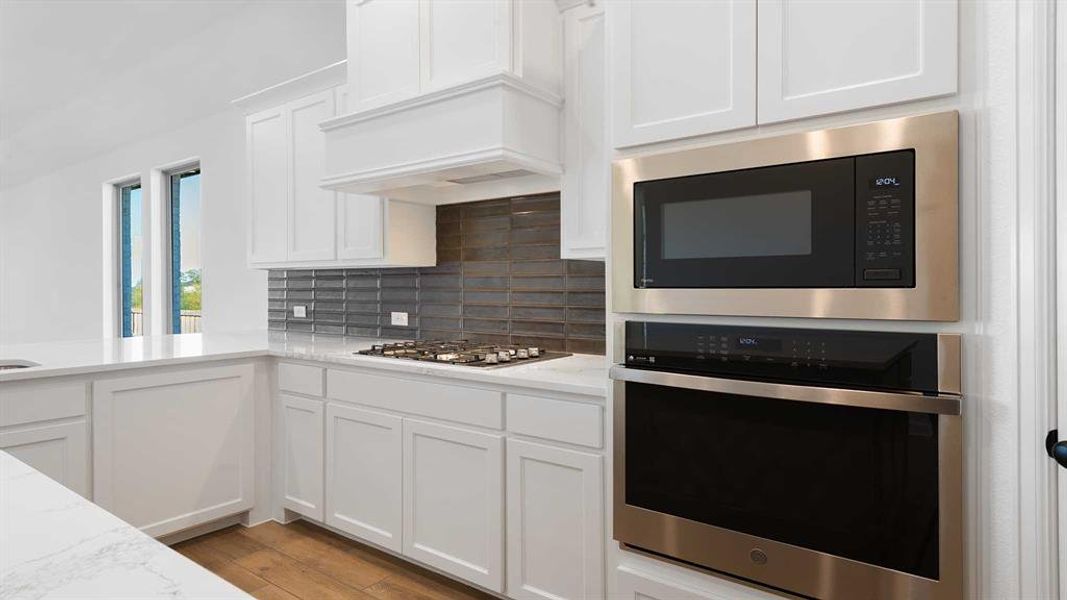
{"x": 463, "y": 352}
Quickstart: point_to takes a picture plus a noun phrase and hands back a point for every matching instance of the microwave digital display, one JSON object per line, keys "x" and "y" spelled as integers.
{"x": 885, "y": 182}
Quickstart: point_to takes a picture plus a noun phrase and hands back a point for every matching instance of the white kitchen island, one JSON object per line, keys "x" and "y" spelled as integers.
{"x": 56, "y": 544}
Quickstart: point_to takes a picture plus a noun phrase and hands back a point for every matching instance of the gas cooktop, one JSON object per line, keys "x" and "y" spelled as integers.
{"x": 463, "y": 352}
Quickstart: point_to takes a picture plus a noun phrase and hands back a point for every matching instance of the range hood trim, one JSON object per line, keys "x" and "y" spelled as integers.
{"x": 497, "y": 80}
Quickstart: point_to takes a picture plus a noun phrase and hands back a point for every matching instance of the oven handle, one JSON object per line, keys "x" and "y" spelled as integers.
{"x": 940, "y": 404}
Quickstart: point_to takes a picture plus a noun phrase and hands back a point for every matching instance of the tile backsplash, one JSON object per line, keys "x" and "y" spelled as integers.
{"x": 499, "y": 279}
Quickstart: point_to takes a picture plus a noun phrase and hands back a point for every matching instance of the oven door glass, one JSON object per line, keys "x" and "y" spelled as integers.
{"x": 857, "y": 483}
{"x": 771, "y": 227}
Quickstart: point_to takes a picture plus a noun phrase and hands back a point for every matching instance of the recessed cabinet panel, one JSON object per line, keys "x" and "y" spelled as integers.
{"x": 267, "y": 148}
{"x": 383, "y": 51}
{"x": 176, "y": 449}
{"x": 60, "y": 451}
{"x": 586, "y": 183}
{"x": 463, "y": 40}
{"x": 555, "y": 523}
{"x": 453, "y": 501}
{"x": 823, "y": 56}
{"x": 681, "y": 68}
{"x": 360, "y": 222}
{"x": 363, "y": 468}
{"x": 312, "y": 209}
{"x": 302, "y": 449}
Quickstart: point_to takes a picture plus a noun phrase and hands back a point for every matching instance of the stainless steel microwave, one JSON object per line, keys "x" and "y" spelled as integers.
{"x": 856, "y": 222}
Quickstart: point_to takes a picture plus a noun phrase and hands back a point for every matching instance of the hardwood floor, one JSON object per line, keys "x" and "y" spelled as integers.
{"x": 299, "y": 560}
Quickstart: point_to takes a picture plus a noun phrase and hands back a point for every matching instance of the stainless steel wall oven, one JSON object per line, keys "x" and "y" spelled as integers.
{"x": 821, "y": 462}
{"x": 856, "y": 222}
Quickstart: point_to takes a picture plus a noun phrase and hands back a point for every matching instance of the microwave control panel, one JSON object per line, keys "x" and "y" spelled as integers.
{"x": 885, "y": 219}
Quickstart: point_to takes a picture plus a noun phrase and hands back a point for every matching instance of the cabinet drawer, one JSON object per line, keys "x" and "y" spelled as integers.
{"x": 440, "y": 401}
{"x": 27, "y": 403}
{"x": 300, "y": 379}
{"x": 559, "y": 420}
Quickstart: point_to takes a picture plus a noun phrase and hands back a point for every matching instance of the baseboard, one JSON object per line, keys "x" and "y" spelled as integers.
{"x": 203, "y": 529}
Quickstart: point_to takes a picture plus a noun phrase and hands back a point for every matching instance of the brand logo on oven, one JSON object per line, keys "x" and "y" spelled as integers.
{"x": 645, "y": 281}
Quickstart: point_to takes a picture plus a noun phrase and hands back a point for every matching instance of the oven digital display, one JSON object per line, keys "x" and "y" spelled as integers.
{"x": 751, "y": 342}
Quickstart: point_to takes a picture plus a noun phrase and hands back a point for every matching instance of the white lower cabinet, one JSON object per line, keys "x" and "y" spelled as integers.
{"x": 454, "y": 501}
{"x": 44, "y": 426}
{"x": 59, "y": 450}
{"x": 555, "y": 529}
{"x": 363, "y": 474}
{"x": 175, "y": 449}
{"x": 301, "y": 429}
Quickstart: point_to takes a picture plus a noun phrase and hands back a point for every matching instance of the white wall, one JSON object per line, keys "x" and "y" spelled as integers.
{"x": 51, "y": 243}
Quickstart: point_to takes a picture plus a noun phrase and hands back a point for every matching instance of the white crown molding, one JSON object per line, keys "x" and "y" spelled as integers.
{"x": 318, "y": 80}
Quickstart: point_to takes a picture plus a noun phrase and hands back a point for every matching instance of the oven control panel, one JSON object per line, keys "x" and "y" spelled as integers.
{"x": 886, "y": 360}
{"x": 885, "y": 219}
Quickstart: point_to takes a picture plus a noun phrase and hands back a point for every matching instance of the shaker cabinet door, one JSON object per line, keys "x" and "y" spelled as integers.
{"x": 383, "y": 52}
{"x": 301, "y": 441}
{"x": 824, "y": 56}
{"x": 555, "y": 527}
{"x": 312, "y": 209}
{"x": 454, "y": 501}
{"x": 586, "y": 183}
{"x": 363, "y": 467}
{"x": 59, "y": 450}
{"x": 681, "y": 68}
{"x": 267, "y": 143}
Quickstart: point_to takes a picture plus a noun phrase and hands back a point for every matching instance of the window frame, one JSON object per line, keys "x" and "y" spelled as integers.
{"x": 119, "y": 281}
{"x": 171, "y": 279}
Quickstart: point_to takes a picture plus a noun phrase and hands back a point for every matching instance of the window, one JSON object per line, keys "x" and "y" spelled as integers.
{"x": 131, "y": 259}
{"x": 185, "y": 263}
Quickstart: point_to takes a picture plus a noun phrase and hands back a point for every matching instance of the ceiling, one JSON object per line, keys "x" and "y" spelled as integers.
{"x": 78, "y": 77}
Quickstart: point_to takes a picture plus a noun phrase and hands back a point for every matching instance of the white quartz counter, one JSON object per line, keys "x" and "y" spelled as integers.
{"x": 56, "y": 544}
{"x": 578, "y": 374}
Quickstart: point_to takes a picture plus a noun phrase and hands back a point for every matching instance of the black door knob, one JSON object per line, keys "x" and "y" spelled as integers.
{"x": 1057, "y": 450}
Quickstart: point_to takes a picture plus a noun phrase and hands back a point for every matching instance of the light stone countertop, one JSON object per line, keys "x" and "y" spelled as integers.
{"x": 56, "y": 544}
{"x": 577, "y": 374}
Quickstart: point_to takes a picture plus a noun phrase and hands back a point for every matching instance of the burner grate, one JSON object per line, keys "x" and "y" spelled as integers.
{"x": 462, "y": 352}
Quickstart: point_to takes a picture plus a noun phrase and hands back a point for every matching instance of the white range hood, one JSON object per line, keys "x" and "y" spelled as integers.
{"x": 471, "y": 125}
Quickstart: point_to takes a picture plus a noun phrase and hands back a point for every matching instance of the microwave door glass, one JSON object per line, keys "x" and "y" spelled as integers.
{"x": 776, "y": 224}
{"x": 785, "y": 226}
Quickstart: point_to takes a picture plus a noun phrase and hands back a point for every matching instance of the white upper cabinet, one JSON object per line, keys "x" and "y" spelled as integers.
{"x": 383, "y": 51}
{"x": 312, "y": 210}
{"x": 267, "y": 173}
{"x": 294, "y": 222}
{"x": 586, "y": 184}
{"x": 824, "y": 56}
{"x": 463, "y": 40}
{"x": 681, "y": 68}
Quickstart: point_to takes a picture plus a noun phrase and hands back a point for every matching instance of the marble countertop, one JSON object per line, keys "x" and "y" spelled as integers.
{"x": 577, "y": 374}
{"x": 56, "y": 544}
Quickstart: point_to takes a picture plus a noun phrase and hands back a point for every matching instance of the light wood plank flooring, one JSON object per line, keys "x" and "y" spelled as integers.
{"x": 299, "y": 560}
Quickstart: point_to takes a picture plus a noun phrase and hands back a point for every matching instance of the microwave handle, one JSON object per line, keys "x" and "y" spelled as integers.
{"x": 940, "y": 404}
